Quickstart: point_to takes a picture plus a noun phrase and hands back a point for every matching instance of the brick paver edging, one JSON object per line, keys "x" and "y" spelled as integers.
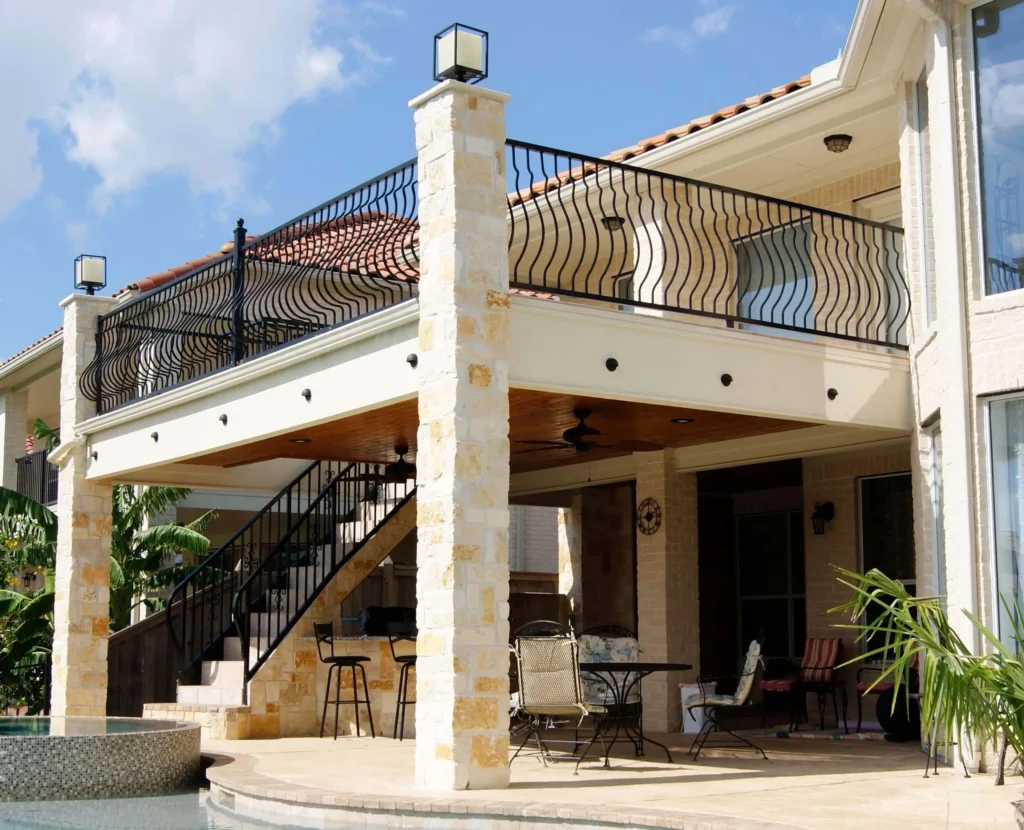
{"x": 238, "y": 788}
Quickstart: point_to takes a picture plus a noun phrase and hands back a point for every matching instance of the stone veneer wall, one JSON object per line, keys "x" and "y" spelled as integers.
{"x": 219, "y": 723}
{"x": 286, "y": 696}
{"x": 60, "y": 767}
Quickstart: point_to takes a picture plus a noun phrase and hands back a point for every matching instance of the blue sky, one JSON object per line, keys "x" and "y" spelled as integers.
{"x": 141, "y": 131}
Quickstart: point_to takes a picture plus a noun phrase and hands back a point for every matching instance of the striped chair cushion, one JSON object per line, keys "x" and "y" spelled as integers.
{"x": 820, "y": 657}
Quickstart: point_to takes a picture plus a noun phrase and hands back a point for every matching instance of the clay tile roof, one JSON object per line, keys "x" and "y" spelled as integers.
{"x": 31, "y": 346}
{"x": 652, "y": 143}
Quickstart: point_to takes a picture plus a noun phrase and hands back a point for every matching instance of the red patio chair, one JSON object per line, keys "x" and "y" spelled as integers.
{"x": 817, "y": 670}
{"x": 865, "y": 687}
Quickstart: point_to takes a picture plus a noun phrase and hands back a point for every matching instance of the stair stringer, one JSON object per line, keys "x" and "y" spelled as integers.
{"x": 286, "y": 695}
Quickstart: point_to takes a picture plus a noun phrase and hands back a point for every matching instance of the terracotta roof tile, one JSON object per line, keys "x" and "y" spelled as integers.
{"x": 652, "y": 143}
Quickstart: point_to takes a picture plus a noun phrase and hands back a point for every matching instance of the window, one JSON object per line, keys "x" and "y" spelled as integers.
{"x": 1006, "y": 425}
{"x": 924, "y": 154}
{"x": 887, "y": 533}
{"x": 935, "y": 488}
{"x": 624, "y": 291}
{"x": 776, "y": 280}
{"x": 770, "y": 553}
{"x": 999, "y": 78}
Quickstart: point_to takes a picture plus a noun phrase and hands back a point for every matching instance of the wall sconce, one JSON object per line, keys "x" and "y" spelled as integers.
{"x": 823, "y": 512}
{"x": 90, "y": 273}
{"x": 613, "y": 223}
{"x": 460, "y": 54}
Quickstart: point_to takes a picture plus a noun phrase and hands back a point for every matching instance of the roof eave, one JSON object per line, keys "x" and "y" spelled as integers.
{"x": 30, "y": 356}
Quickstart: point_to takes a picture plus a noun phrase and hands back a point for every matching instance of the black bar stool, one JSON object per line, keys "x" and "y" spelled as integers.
{"x": 397, "y": 633}
{"x": 325, "y": 637}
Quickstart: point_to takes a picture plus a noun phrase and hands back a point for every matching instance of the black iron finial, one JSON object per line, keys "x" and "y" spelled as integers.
{"x": 611, "y": 364}
{"x": 726, "y": 379}
{"x": 307, "y": 394}
{"x": 412, "y": 360}
{"x": 832, "y": 393}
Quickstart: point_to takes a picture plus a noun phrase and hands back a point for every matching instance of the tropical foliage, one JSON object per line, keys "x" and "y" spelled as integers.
{"x": 26, "y": 635}
{"x": 142, "y": 556}
{"x": 963, "y": 696}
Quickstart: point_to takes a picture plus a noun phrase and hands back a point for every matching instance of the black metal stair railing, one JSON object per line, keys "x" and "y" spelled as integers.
{"x": 37, "y": 477}
{"x": 349, "y": 257}
{"x": 347, "y": 513}
{"x": 199, "y": 607}
{"x": 586, "y": 227}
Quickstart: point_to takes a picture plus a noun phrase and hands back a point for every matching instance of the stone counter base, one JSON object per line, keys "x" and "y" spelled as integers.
{"x": 221, "y": 723}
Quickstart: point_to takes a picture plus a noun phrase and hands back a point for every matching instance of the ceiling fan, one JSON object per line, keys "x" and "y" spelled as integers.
{"x": 400, "y": 470}
{"x": 579, "y": 439}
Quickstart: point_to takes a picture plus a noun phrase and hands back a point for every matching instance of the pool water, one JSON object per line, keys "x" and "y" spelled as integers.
{"x": 79, "y": 726}
{"x": 183, "y": 811}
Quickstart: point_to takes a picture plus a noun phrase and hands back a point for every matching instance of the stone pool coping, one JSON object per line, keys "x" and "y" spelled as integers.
{"x": 238, "y": 788}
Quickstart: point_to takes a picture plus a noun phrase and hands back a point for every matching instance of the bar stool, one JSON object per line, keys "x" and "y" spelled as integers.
{"x": 325, "y": 637}
{"x": 397, "y": 633}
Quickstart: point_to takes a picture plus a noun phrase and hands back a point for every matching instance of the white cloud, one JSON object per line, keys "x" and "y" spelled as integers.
{"x": 165, "y": 86}
{"x": 714, "y": 21}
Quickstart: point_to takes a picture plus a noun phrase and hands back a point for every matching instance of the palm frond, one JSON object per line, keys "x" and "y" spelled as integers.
{"x": 42, "y": 432}
{"x": 201, "y": 524}
{"x": 172, "y": 538}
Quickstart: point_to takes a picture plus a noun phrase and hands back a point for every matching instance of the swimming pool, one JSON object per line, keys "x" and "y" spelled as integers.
{"x": 181, "y": 811}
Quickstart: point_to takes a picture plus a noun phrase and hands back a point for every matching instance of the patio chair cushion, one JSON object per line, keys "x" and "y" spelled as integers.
{"x": 820, "y": 657}
{"x": 596, "y": 649}
{"x": 698, "y": 699}
{"x": 776, "y": 685}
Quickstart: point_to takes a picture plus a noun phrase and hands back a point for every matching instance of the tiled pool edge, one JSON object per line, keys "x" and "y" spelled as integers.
{"x": 237, "y": 788}
{"x": 65, "y": 767}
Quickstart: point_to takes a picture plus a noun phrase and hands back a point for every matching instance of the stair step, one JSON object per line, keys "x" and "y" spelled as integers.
{"x": 211, "y": 695}
{"x": 223, "y": 673}
{"x": 232, "y": 648}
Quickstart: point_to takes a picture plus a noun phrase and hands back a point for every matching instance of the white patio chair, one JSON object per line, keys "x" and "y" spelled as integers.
{"x": 712, "y": 703}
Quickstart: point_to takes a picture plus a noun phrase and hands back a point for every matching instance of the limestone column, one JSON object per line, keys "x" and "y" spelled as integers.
{"x": 81, "y": 621}
{"x": 463, "y": 450}
{"x": 667, "y": 586}
{"x": 13, "y": 424}
{"x": 570, "y": 557}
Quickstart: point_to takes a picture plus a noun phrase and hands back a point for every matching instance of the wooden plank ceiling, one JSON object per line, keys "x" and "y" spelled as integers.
{"x": 624, "y": 427}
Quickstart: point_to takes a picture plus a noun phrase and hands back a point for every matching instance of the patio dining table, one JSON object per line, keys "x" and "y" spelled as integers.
{"x": 622, "y": 678}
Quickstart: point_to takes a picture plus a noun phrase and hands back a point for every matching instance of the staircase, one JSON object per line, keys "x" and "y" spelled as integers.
{"x": 242, "y": 600}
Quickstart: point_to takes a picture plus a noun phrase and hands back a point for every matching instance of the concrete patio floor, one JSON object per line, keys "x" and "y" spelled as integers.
{"x": 806, "y": 784}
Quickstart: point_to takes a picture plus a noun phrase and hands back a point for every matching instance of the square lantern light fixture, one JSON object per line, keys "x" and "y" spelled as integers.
{"x": 460, "y": 54}
{"x": 90, "y": 273}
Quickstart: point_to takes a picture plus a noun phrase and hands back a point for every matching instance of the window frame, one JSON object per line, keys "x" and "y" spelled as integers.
{"x": 977, "y": 203}
{"x": 990, "y": 483}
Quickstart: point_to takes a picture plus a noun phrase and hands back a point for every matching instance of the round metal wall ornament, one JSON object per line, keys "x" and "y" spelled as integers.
{"x": 648, "y": 517}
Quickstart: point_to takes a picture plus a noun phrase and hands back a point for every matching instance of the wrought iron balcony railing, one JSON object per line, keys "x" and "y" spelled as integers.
{"x": 598, "y": 230}
{"x": 579, "y": 227}
{"x": 346, "y": 258}
{"x": 37, "y": 477}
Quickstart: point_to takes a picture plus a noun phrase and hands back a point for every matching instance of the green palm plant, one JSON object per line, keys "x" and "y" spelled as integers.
{"x": 976, "y": 696}
{"x": 26, "y": 635}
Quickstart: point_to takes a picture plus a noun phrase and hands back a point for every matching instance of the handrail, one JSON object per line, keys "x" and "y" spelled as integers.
{"x": 595, "y": 229}
{"x": 206, "y": 592}
{"x": 346, "y": 514}
{"x": 351, "y": 256}
{"x": 37, "y": 477}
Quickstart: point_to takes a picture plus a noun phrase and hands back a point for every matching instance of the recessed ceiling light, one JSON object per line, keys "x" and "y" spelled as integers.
{"x": 682, "y": 420}
{"x": 299, "y": 440}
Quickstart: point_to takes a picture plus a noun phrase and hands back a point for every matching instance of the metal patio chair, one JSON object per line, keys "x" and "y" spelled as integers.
{"x": 550, "y": 691}
{"x": 712, "y": 703}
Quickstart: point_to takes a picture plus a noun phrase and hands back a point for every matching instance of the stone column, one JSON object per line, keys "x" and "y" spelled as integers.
{"x": 81, "y": 621}
{"x": 463, "y": 449}
{"x": 13, "y": 426}
{"x": 570, "y": 558}
{"x": 667, "y": 586}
